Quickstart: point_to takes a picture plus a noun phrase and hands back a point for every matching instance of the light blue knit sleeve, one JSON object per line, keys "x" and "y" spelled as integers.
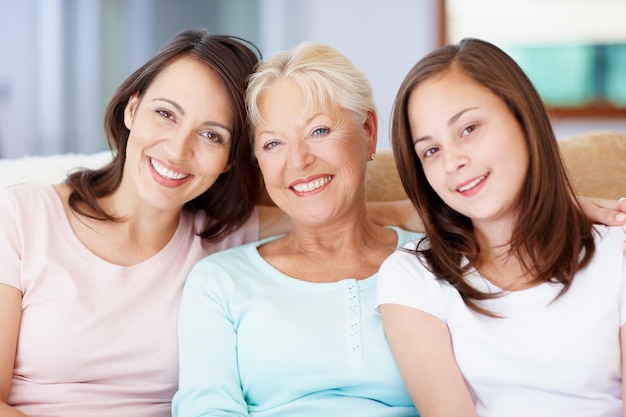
{"x": 209, "y": 382}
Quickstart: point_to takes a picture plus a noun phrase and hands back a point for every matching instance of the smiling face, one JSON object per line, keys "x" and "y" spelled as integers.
{"x": 313, "y": 163}
{"x": 180, "y": 136}
{"x": 472, "y": 149}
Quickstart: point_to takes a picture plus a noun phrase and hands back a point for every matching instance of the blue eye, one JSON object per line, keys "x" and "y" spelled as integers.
{"x": 270, "y": 145}
{"x": 321, "y": 131}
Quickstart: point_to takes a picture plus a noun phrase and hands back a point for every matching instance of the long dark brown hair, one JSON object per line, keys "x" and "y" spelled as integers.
{"x": 552, "y": 238}
{"x": 230, "y": 200}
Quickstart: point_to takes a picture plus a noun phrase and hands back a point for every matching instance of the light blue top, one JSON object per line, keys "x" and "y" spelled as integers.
{"x": 256, "y": 342}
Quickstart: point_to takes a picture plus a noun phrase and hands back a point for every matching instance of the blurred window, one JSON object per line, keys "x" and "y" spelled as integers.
{"x": 574, "y": 51}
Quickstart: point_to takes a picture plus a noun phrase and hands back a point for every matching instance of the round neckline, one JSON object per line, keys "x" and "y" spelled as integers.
{"x": 160, "y": 258}
{"x": 543, "y": 290}
{"x": 253, "y": 253}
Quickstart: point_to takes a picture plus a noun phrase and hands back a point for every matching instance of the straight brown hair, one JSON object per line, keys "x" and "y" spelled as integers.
{"x": 230, "y": 200}
{"x": 552, "y": 238}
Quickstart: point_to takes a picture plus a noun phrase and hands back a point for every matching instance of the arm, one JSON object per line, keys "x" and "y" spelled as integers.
{"x": 273, "y": 221}
{"x": 10, "y": 314}
{"x": 422, "y": 349}
{"x": 401, "y": 213}
{"x": 397, "y": 213}
{"x": 209, "y": 382}
{"x": 609, "y": 212}
{"x": 622, "y": 339}
{"x": 10, "y": 300}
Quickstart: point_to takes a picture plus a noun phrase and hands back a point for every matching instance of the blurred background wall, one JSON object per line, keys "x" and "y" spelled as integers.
{"x": 61, "y": 60}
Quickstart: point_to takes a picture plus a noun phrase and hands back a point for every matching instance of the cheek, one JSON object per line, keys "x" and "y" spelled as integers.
{"x": 213, "y": 163}
{"x": 144, "y": 135}
{"x": 357, "y": 171}
{"x": 263, "y": 164}
{"x": 134, "y": 144}
{"x": 434, "y": 176}
{"x": 268, "y": 169}
{"x": 352, "y": 155}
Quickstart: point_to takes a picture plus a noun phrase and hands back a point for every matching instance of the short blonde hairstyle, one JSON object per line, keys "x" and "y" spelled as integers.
{"x": 328, "y": 79}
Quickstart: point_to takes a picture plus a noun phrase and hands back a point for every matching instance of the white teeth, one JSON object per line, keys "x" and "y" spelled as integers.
{"x": 472, "y": 184}
{"x": 313, "y": 185}
{"x": 166, "y": 173}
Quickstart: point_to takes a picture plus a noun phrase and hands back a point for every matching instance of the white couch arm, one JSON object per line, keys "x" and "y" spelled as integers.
{"x": 47, "y": 169}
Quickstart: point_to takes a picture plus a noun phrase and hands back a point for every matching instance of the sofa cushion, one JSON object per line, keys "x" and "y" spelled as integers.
{"x": 47, "y": 169}
{"x": 596, "y": 163}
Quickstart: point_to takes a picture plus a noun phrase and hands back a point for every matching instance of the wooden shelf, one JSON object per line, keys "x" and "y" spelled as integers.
{"x": 594, "y": 110}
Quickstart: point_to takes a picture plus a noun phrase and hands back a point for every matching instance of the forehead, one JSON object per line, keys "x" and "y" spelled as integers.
{"x": 453, "y": 82}
{"x": 449, "y": 92}
{"x": 195, "y": 86}
{"x": 288, "y": 96}
{"x": 185, "y": 72}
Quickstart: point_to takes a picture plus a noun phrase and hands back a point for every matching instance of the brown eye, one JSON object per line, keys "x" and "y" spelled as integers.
{"x": 430, "y": 152}
{"x": 212, "y": 137}
{"x": 468, "y": 130}
{"x": 165, "y": 114}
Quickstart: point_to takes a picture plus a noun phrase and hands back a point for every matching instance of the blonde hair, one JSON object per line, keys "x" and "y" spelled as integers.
{"x": 327, "y": 78}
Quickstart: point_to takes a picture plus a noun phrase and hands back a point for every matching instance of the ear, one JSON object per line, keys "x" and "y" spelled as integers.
{"x": 371, "y": 129}
{"x": 227, "y": 168}
{"x": 129, "y": 110}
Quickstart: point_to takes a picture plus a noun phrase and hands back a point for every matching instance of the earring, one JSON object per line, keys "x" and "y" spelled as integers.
{"x": 372, "y": 156}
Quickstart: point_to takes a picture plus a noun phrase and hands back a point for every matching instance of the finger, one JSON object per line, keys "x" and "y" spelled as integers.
{"x": 621, "y": 216}
{"x": 609, "y": 216}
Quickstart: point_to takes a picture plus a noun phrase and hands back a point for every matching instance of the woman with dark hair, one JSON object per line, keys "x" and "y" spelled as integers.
{"x": 514, "y": 304}
{"x": 93, "y": 269}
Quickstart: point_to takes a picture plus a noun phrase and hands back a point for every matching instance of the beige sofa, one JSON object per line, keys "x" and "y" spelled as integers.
{"x": 596, "y": 162}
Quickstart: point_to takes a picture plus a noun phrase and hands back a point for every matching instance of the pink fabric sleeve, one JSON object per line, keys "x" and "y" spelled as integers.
{"x": 10, "y": 243}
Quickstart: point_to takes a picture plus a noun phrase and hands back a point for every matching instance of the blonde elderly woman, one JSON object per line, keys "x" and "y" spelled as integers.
{"x": 286, "y": 326}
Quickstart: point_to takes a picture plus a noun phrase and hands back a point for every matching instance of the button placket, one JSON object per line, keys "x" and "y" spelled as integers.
{"x": 353, "y": 309}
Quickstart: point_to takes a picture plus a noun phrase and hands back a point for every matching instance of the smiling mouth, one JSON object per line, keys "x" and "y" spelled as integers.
{"x": 313, "y": 185}
{"x": 166, "y": 173}
{"x": 472, "y": 184}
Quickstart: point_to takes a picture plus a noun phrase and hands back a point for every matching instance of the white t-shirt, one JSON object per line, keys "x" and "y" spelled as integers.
{"x": 96, "y": 339}
{"x": 545, "y": 356}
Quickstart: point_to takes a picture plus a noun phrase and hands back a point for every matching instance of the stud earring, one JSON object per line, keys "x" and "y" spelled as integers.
{"x": 372, "y": 156}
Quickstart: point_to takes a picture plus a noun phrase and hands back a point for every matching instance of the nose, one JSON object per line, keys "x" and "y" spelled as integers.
{"x": 300, "y": 155}
{"x": 180, "y": 146}
{"x": 455, "y": 157}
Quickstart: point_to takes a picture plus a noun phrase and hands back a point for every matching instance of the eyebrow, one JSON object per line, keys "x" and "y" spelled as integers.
{"x": 173, "y": 103}
{"x": 272, "y": 132}
{"x": 182, "y": 111}
{"x": 451, "y": 121}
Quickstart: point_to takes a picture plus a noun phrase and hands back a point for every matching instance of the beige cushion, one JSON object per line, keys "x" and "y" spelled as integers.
{"x": 596, "y": 163}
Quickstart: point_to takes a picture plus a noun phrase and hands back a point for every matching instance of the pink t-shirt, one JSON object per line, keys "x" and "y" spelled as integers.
{"x": 96, "y": 339}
